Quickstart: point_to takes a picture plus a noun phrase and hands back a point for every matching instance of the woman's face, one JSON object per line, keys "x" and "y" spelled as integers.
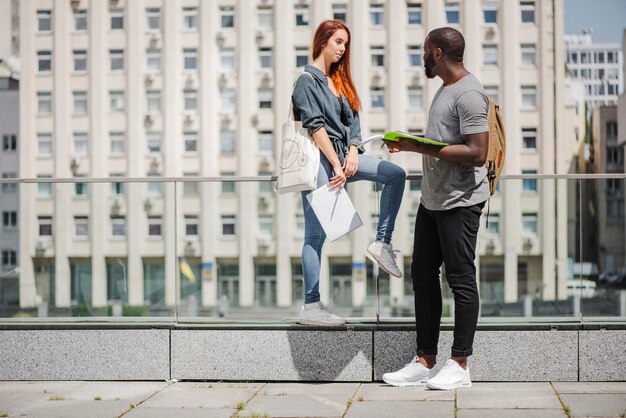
{"x": 336, "y": 46}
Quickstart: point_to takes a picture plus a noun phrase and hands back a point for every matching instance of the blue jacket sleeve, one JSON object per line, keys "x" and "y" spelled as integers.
{"x": 307, "y": 104}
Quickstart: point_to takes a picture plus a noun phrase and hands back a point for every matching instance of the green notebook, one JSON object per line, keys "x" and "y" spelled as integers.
{"x": 395, "y": 135}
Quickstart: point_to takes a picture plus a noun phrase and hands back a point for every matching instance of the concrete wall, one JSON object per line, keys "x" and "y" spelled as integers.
{"x": 360, "y": 353}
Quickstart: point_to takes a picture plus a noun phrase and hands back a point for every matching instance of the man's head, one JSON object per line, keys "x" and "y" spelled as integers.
{"x": 443, "y": 47}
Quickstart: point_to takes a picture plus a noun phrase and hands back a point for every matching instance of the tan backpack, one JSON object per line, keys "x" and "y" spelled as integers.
{"x": 497, "y": 146}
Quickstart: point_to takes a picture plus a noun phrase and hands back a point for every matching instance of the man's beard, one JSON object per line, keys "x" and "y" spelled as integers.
{"x": 429, "y": 64}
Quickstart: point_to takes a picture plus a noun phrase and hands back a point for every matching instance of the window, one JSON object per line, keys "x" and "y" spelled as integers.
{"x": 228, "y": 186}
{"x": 266, "y": 226}
{"x": 117, "y": 59}
{"x": 44, "y": 190}
{"x": 154, "y": 142}
{"x": 614, "y": 156}
{"x": 117, "y": 141}
{"x": 9, "y": 143}
{"x": 529, "y": 97}
{"x": 44, "y": 20}
{"x": 227, "y": 141}
{"x": 81, "y": 189}
{"x": 153, "y": 16}
{"x": 490, "y": 55}
{"x": 266, "y": 143}
{"x": 80, "y": 102}
{"x": 340, "y": 12}
{"x": 528, "y": 11}
{"x": 529, "y": 55}
{"x": 154, "y": 226}
{"x": 265, "y": 58}
{"x": 116, "y": 99}
{"x": 190, "y": 58}
{"x": 45, "y": 226}
{"x": 80, "y": 20}
{"x": 9, "y": 258}
{"x": 529, "y": 138}
{"x": 118, "y": 226}
{"x": 80, "y": 60}
{"x": 377, "y": 14}
{"x": 414, "y": 14}
{"x": 529, "y": 185}
{"x": 190, "y": 99}
{"x": 227, "y": 101}
{"x": 81, "y": 227}
{"x": 80, "y": 144}
{"x": 265, "y": 187}
{"x": 191, "y": 225}
{"x": 9, "y": 220}
{"x": 265, "y": 98}
{"x": 378, "y": 97}
{"x": 377, "y": 54}
{"x": 44, "y": 61}
{"x": 611, "y": 132}
{"x": 191, "y": 141}
{"x": 227, "y": 17}
{"x": 44, "y": 144}
{"x": 302, "y": 56}
{"x": 117, "y": 19}
{"x": 9, "y": 187}
{"x": 416, "y": 98}
{"x": 228, "y": 225}
{"x": 492, "y": 93}
{"x": 190, "y": 187}
{"x": 117, "y": 187}
{"x": 154, "y": 187}
{"x": 227, "y": 60}
{"x": 415, "y": 56}
{"x": 153, "y": 98}
{"x": 611, "y": 57}
{"x": 44, "y": 102}
{"x": 493, "y": 224}
{"x": 452, "y": 13}
{"x": 490, "y": 12}
{"x": 266, "y": 18}
{"x": 302, "y": 15}
{"x": 529, "y": 223}
{"x": 190, "y": 18}
{"x": 153, "y": 57}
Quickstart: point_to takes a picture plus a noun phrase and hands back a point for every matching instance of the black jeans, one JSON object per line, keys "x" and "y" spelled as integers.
{"x": 447, "y": 237}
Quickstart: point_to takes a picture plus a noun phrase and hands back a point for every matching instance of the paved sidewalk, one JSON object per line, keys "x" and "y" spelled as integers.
{"x": 208, "y": 399}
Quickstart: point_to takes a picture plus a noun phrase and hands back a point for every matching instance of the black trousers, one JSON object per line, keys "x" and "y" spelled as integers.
{"x": 447, "y": 237}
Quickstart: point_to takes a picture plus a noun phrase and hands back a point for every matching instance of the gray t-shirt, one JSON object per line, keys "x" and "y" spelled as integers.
{"x": 457, "y": 109}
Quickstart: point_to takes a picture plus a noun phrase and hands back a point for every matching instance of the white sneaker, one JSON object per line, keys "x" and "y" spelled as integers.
{"x": 413, "y": 374}
{"x": 451, "y": 376}
{"x": 385, "y": 256}
{"x": 318, "y": 314}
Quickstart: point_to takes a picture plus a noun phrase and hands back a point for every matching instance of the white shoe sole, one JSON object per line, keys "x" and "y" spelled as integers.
{"x": 465, "y": 384}
{"x": 404, "y": 384}
{"x": 373, "y": 258}
{"x": 320, "y": 323}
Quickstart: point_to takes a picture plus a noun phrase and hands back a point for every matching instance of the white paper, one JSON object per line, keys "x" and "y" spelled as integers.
{"x": 370, "y": 139}
{"x": 335, "y": 211}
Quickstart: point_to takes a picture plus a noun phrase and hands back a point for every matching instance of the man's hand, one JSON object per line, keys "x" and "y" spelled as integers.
{"x": 351, "y": 162}
{"x": 402, "y": 144}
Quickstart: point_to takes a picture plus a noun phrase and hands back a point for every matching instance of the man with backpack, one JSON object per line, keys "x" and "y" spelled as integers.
{"x": 455, "y": 187}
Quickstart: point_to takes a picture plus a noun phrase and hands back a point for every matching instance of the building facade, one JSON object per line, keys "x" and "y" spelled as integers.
{"x": 151, "y": 88}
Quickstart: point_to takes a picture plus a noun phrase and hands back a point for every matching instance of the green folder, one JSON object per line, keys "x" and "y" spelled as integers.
{"x": 395, "y": 135}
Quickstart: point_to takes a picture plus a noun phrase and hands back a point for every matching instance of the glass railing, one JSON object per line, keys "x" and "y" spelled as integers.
{"x": 228, "y": 249}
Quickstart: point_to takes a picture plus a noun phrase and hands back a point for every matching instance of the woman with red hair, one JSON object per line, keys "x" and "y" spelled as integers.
{"x": 326, "y": 101}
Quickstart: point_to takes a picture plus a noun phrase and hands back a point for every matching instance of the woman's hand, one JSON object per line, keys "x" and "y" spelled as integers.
{"x": 351, "y": 162}
{"x": 339, "y": 179}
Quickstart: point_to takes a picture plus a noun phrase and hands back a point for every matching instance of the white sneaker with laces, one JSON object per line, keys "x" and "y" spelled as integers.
{"x": 413, "y": 374}
{"x": 318, "y": 314}
{"x": 385, "y": 256}
{"x": 451, "y": 376}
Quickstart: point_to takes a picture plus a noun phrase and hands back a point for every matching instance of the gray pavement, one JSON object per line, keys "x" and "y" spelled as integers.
{"x": 350, "y": 400}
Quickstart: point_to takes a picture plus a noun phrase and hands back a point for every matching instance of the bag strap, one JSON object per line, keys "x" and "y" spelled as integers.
{"x": 290, "y": 116}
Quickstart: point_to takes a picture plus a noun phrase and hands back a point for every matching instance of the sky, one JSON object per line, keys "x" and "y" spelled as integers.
{"x": 607, "y": 18}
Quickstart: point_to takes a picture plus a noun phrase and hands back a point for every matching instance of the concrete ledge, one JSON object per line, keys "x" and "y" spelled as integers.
{"x": 84, "y": 355}
{"x": 602, "y": 356}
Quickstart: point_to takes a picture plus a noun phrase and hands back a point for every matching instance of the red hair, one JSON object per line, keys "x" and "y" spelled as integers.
{"x": 339, "y": 71}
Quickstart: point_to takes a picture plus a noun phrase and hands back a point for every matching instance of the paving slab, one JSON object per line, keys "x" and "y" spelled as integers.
{"x": 510, "y": 413}
{"x": 434, "y": 409}
{"x": 179, "y": 412}
{"x": 346, "y": 390}
{"x": 595, "y": 405}
{"x": 590, "y": 387}
{"x": 508, "y": 396}
{"x": 203, "y": 395}
{"x": 384, "y": 392}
